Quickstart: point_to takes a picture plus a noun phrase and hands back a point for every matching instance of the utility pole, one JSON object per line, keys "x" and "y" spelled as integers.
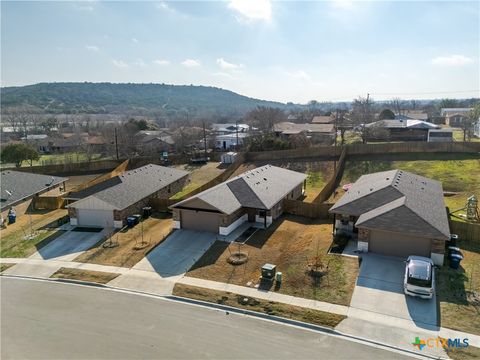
{"x": 236, "y": 128}
{"x": 116, "y": 142}
{"x": 205, "y": 140}
{"x": 335, "y": 141}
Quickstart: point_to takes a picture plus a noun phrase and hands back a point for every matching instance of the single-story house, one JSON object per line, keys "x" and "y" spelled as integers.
{"x": 455, "y": 117}
{"x": 255, "y": 196}
{"x": 154, "y": 141}
{"x": 109, "y": 203}
{"x": 18, "y": 188}
{"x": 223, "y": 129}
{"x": 440, "y": 135}
{"x": 476, "y": 129}
{"x": 320, "y": 119}
{"x": 400, "y": 130}
{"x": 317, "y": 133}
{"x": 229, "y": 141}
{"x": 395, "y": 213}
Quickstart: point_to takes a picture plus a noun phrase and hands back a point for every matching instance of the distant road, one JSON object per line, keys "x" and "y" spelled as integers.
{"x": 62, "y": 321}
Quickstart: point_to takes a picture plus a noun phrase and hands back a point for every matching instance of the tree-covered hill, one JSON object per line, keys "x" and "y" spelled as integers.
{"x": 170, "y": 100}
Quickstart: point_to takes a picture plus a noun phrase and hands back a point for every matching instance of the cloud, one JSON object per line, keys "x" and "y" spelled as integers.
{"x": 85, "y": 5}
{"x": 299, "y": 74}
{"x": 120, "y": 63}
{"x": 191, "y": 63}
{"x": 161, "y": 62}
{"x": 253, "y": 9}
{"x": 140, "y": 63}
{"x": 162, "y": 5}
{"x": 452, "y": 60}
{"x": 225, "y": 65}
{"x": 92, "y": 48}
{"x": 135, "y": 40}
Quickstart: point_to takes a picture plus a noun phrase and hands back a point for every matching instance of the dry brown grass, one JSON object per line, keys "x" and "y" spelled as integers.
{"x": 5, "y": 266}
{"x": 39, "y": 218}
{"x": 129, "y": 252}
{"x": 467, "y": 353}
{"x": 199, "y": 175}
{"x": 84, "y": 275}
{"x": 264, "y": 306}
{"x": 292, "y": 243}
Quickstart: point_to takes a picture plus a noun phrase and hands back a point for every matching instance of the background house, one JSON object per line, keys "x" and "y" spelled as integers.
{"x": 109, "y": 203}
{"x": 395, "y": 213}
{"x": 256, "y": 197}
{"x": 19, "y": 188}
{"x": 317, "y": 133}
{"x": 455, "y": 117}
{"x": 399, "y": 130}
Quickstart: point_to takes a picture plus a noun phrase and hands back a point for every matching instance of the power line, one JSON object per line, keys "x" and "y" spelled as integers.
{"x": 428, "y": 93}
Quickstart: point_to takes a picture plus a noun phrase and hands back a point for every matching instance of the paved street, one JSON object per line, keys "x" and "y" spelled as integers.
{"x": 55, "y": 320}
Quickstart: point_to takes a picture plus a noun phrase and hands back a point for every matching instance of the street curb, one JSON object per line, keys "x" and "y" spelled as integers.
{"x": 297, "y": 323}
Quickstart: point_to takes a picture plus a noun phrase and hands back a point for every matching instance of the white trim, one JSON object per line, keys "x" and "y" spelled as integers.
{"x": 73, "y": 221}
{"x": 177, "y": 224}
{"x": 117, "y": 224}
{"x": 437, "y": 258}
{"x": 227, "y": 230}
{"x": 362, "y": 246}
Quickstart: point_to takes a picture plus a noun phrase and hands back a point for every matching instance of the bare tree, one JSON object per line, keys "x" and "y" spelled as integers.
{"x": 361, "y": 115}
{"x": 264, "y": 118}
{"x": 13, "y": 120}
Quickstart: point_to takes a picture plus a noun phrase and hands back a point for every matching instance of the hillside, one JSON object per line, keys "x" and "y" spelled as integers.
{"x": 169, "y": 100}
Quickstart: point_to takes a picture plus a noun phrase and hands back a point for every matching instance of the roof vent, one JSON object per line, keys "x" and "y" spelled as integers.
{"x": 265, "y": 179}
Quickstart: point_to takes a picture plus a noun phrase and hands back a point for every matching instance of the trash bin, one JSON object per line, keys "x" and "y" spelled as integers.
{"x": 453, "y": 239}
{"x": 137, "y": 218}
{"x": 147, "y": 211}
{"x": 455, "y": 260}
{"x": 453, "y": 250}
{"x": 12, "y": 217}
{"x": 131, "y": 221}
{"x": 278, "y": 277}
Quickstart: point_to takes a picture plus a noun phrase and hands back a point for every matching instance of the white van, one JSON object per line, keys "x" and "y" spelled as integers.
{"x": 419, "y": 277}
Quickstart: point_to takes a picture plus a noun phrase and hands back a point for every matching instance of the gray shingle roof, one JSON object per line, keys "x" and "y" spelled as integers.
{"x": 291, "y": 128}
{"x": 260, "y": 188}
{"x": 22, "y": 185}
{"x": 399, "y": 201}
{"x": 136, "y": 185}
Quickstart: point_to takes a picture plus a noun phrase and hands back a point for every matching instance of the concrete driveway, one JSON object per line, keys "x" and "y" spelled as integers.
{"x": 69, "y": 245}
{"x": 176, "y": 254}
{"x": 379, "y": 289}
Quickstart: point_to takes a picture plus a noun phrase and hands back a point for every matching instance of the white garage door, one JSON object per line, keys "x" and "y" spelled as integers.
{"x": 100, "y": 218}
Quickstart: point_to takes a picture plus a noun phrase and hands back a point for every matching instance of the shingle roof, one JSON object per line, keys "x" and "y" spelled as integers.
{"x": 135, "y": 185}
{"x": 323, "y": 120}
{"x": 22, "y": 185}
{"x": 397, "y": 200}
{"x": 403, "y": 123}
{"x": 286, "y": 127}
{"x": 260, "y": 188}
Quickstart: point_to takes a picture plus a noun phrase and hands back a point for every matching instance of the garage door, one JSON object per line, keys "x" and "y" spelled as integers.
{"x": 97, "y": 218}
{"x": 398, "y": 244}
{"x": 200, "y": 220}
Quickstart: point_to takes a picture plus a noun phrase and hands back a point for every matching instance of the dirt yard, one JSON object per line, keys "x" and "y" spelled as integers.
{"x": 38, "y": 219}
{"x": 84, "y": 275}
{"x": 318, "y": 172}
{"x": 292, "y": 243}
{"x": 76, "y": 180}
{"x": 269, "y": 307}
{"x": 199, "y": 175}
{"x": 130, "y": 249}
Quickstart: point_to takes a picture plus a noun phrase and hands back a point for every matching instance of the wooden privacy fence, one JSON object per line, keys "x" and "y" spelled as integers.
{"x": 48, "y": 202}
{"x": 82, "y": 167}
{"x": 332, "y": 184}
{"x": 363, "y": 149}
{"x": 163, "y": 204}
{"x": 466, "y": 231}
{"x": 310, "y": 210}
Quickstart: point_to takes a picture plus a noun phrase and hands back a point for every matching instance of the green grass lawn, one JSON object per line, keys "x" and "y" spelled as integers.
{"x": 315, "y": 183}
{"x": 16, "y": 246}
{"x": 458, "y": 291}
{"x": 67, "y": 158}
{"x": 462, "y": 176}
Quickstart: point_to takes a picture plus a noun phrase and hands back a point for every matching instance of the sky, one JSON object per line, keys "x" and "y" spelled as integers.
{"x": 274, "y": 50}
